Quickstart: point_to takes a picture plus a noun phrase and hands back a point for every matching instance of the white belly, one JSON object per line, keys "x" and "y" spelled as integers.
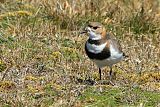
{"x": 115, "y": 57}
{"x": 109, "y": 61}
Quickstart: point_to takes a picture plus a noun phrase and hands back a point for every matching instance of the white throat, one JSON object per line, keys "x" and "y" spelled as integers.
{"x": 94, "y": 36}
{"x": 95, "y": 48}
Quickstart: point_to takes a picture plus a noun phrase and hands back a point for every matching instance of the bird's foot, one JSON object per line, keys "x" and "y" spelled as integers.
{"x": 102, "y": 82}
{"x": 89, "y": 82}
{"x": 111, "y": 83}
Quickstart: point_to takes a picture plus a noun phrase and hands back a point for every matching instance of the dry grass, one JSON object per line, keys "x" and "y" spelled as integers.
{"x": 42, "y": 60}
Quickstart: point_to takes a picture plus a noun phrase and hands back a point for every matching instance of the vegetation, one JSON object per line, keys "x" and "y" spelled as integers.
{"x": 42, "y": 58}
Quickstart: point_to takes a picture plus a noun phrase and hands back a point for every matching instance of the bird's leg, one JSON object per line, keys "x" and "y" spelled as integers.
{"x": 100, "y": 73}
{"x": 110, "y": 76}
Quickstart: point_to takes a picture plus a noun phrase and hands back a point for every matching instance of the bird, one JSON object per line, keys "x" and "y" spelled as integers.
{"x": 102, "y": 47}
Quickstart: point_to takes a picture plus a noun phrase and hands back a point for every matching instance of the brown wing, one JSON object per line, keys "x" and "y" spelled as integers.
{"x": 114, "y": 42}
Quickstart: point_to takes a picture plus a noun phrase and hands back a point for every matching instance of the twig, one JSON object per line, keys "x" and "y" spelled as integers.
{"x": 5, "y": 72}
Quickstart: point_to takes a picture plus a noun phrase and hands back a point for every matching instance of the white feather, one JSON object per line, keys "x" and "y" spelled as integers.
{"x": 115, "y": 53}
{"x": 115, "y": 57}
{"x": 95, "y": 48}
{"x": 94, "y": 36}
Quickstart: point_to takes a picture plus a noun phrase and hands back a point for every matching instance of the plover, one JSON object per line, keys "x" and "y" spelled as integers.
{"x": 102, "y": 47}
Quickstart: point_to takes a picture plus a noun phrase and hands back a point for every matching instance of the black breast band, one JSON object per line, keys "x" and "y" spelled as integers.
{"x": 99, "y": 56}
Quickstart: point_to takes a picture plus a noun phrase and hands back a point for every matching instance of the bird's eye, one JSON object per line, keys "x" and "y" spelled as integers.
{"x": 90, "y": 26}
{"x": 95, "y": 28}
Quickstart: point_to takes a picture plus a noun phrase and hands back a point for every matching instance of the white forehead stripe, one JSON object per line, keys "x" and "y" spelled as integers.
{"x": 95, "y": 48}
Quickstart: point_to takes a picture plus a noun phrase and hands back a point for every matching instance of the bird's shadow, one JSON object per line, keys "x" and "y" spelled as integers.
{"x": 92, "y": 82}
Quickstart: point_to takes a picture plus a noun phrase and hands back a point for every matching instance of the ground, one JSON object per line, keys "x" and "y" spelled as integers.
{"x": 43, "y": 62}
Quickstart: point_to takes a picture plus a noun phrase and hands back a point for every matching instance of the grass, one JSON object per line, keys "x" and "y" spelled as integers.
{"x": 43, "y": 62}
{"x": 118, "y": 97}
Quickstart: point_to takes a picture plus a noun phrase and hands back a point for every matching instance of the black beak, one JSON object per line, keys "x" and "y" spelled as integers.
{"x": 82, "y": 32}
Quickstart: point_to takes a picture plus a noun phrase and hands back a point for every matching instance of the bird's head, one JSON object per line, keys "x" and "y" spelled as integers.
{"x": 95, "y": 30}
